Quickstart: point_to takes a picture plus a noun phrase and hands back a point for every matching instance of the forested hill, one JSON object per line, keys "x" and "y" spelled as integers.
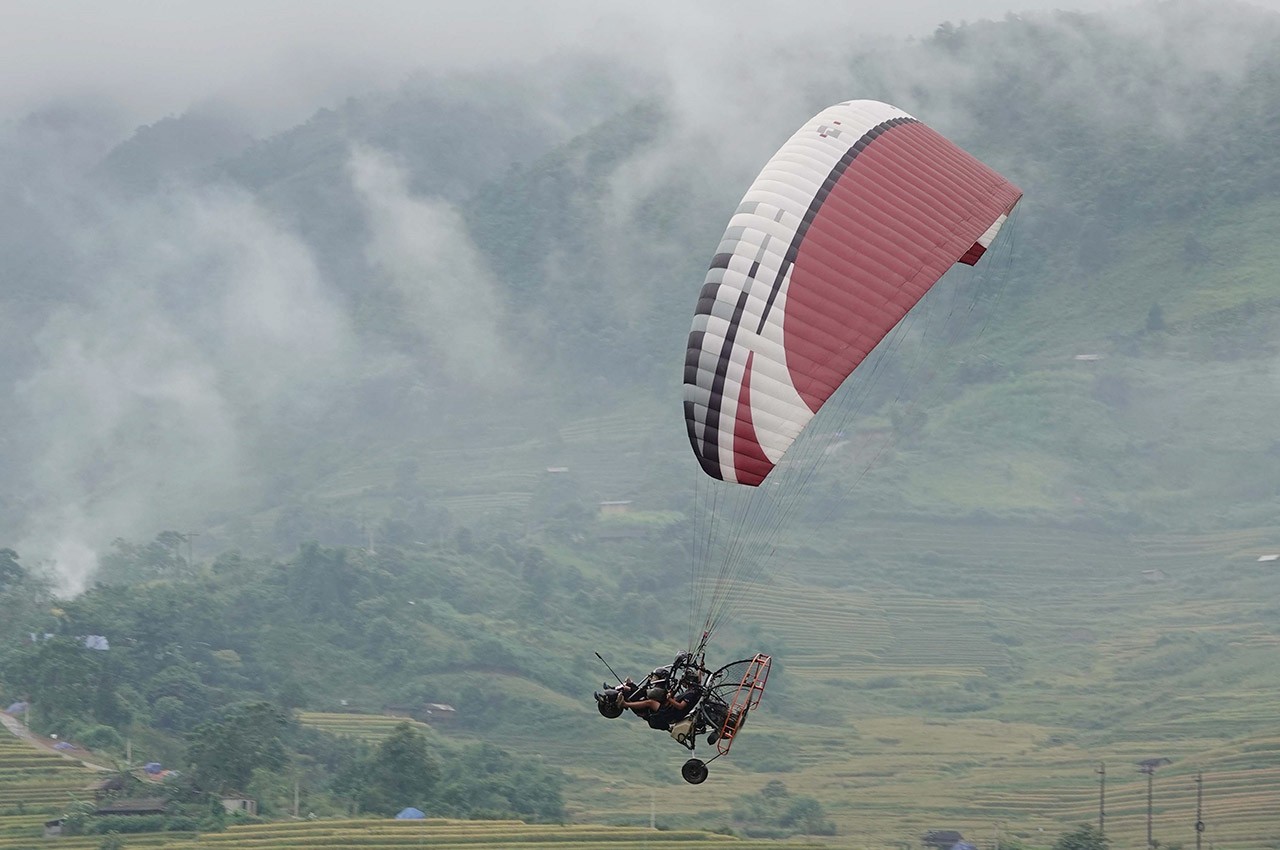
{"x": 402, "y": 271}
{"x": 324, "y": 421}
{"x": 202, "y": 329}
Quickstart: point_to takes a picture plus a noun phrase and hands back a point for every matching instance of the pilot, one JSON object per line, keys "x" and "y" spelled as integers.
{"x": 661, "y": 709}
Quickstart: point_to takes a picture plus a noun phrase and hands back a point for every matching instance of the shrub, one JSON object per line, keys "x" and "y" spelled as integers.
{"x": 125, "y": 824}
{"x": 102, "y": 738}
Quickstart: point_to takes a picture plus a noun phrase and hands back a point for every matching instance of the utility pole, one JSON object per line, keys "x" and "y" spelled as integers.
{"x": 1199, "y": 810}
{"x": 1148, "y": 766}
{"x": 1151, "y": 780}
{"x": 1102, "y": 797}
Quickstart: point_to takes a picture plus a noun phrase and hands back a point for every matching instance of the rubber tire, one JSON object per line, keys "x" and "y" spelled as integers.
{"x": 694, "y": 771}
{"x": 609, "y": 709}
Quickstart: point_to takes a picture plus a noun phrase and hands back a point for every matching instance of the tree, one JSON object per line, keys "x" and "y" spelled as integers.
{"x": 400, "y": 773}
{"x": 131, "y": 563}
{"x": 11, "y": 572}
{"x": 486, "y": 781}
{"x": 775, "y": 810}
{"x": 806, "y": 815}
{"x": 225, "y": 752}
{"x": 25, "y": 599}
{"x": 112, "y": 841}
{"x": 1085, "y": 837}
{"x": 325, "y": 581}
{"x": 61, "y": 677}
{"x": 177, "y": 696}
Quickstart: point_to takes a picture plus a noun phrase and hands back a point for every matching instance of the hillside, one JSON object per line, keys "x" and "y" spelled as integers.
{"x": 324, "y": 422}
{"x": 375, "y": 297}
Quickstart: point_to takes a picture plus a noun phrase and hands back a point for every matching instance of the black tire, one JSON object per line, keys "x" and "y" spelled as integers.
{"x": 609, "y": 708}
{"x": 694, "y": 771}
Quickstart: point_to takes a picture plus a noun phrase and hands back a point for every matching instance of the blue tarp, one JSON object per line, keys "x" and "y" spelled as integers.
{"x": 410, "y": 814}
{"x": 17, "y": 708}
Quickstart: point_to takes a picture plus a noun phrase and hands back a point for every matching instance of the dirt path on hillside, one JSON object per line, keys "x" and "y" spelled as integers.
{"x": 19, "y": 730}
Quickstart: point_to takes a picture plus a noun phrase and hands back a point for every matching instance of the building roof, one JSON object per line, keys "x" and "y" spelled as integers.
{"x": 141, "y": 806}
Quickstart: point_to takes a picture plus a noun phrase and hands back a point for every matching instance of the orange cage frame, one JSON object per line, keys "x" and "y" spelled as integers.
{"x": 745, "y": 698}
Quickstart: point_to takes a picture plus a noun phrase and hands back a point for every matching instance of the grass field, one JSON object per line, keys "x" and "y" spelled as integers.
{"x": 974, "y": 678}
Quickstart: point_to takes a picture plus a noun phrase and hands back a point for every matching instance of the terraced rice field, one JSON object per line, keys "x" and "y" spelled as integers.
{"x": 1239, "y": 805}
{"x": 370, "y": 728}
{"x": 386, "y": 834}
{"x": 473, "y": 835}
{"x": 35, "y": 785}
{"x": 486, "y": 503}
{"x": 40, "y": 785}
{"x": 841, "y": 630}
{"x": 1073, "y": 646}
{"x": 1057, "y": 624}
{"x": 852, "y": 636}
{"x": 36, "y": 781}
{"x": 35, "y": 841}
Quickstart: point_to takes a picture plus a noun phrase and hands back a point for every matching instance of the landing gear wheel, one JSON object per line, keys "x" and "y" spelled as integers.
{"x": 609, "y": 708}
{"x": 694, "y": 771}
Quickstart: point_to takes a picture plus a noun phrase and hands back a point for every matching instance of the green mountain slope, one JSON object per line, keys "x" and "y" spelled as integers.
{"x": 1032, "y": 545}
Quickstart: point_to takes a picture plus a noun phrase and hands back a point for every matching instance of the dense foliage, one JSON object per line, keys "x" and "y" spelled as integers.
{"x": 213, "y": 660}
{"x": 775, "y": 811}
{"x": 1084, "y": 837}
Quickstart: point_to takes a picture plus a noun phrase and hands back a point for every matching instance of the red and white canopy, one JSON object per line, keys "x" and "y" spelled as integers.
{"x": 846, "y": 228}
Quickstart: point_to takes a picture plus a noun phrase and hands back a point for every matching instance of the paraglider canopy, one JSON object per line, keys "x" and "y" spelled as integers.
{"x": 842, "y": 233}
